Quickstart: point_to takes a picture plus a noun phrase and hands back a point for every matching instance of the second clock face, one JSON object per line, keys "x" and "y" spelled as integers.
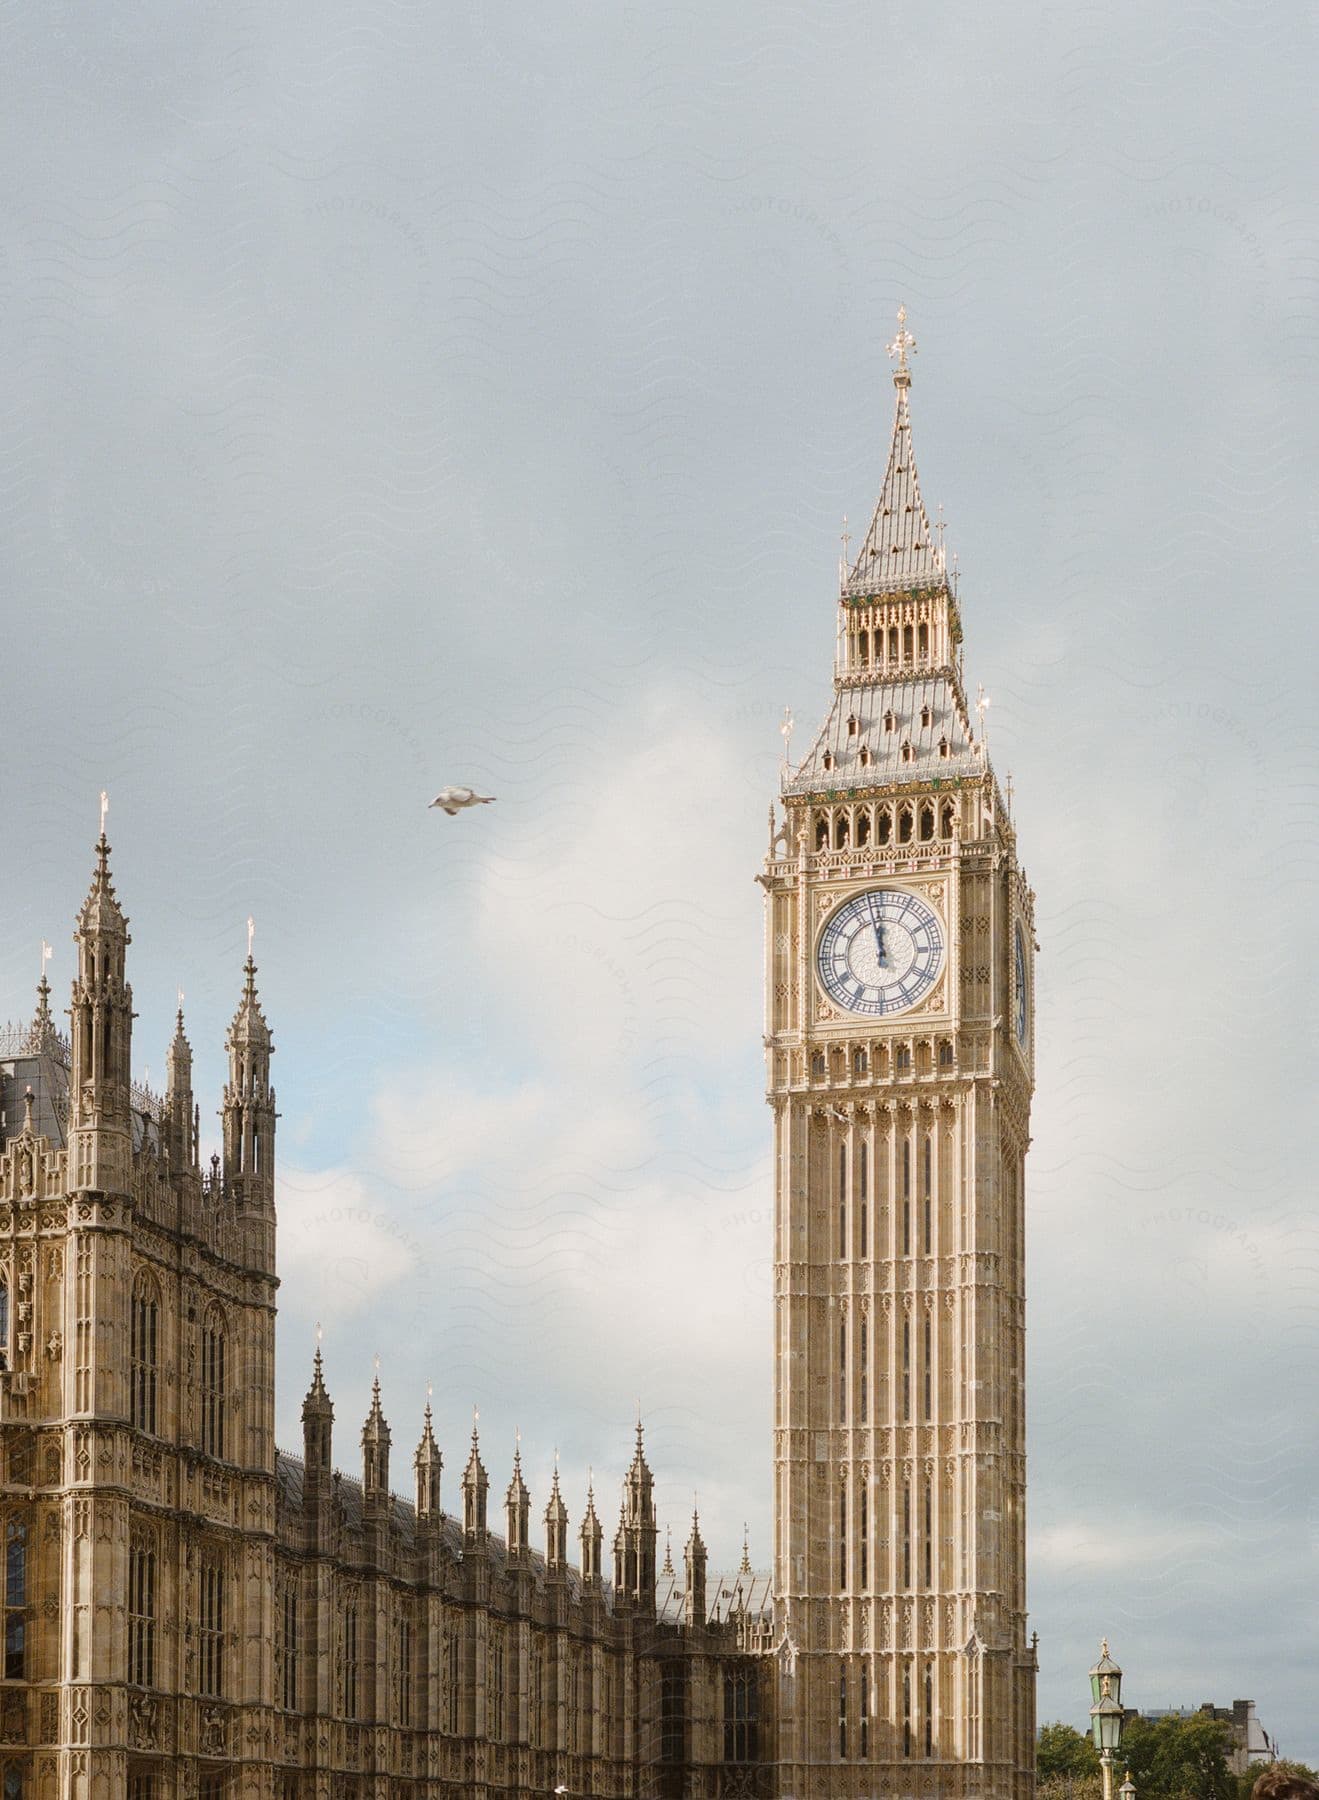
{"x": 880, "y": 952}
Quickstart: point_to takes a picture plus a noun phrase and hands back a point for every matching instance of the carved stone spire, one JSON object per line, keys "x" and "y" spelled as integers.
{"x": 248, "y": 1113}
{"x": 317, "y": 1432}
{"x": 695, "y": 1560}
{"x": 556, "y": 1525}
{"x": 375, "y": 1449}
{"x": 476, "y": 1489}
{"x": 180, "y": 1106}
{"x": 428, "y": 1464}
{"x": 517, "y": 1504}
{"x": 638, "y": 1533}
{"x": 592, "y": 1541}
{"x": 101, "y": 1014}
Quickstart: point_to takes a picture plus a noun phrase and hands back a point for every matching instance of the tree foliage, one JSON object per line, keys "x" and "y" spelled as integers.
{"x": 1179, "y": 1759}
{"x": 1062, "y": 1750}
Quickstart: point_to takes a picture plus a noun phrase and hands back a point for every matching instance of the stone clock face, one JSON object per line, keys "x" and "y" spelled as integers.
{"x": 880, "y": 952}
{"x": 1020, "y": 983}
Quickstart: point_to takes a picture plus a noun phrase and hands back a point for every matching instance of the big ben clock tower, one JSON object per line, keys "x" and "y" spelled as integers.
{"x": 899, "y": 986}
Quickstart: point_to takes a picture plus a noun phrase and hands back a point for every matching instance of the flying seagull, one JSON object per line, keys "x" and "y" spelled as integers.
{"x": 453, "y": 799}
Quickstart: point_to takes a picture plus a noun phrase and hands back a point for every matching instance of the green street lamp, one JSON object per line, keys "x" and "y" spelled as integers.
{"x": 1106, "y": 1715}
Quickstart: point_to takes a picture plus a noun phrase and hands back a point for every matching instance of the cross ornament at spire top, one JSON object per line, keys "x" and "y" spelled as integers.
{"x": 105, "y": 807}
{"x": 902, "y": 342}
{"x": 251, "y": 933}
{"x": 46, "y": 954}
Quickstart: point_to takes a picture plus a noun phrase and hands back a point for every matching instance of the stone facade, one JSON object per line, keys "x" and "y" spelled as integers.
{"x": 189, "y": 1612}
{"x": 899, "y": 964}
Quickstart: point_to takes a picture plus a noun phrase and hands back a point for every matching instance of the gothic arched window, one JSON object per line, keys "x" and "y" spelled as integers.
{"x": 904, "y": 822}
{"x": 822, "y": 833}
{"x": 15, "y": 1599}
{"x": 863, "y": 647}
{"x": 142, "y": 1613}
{"x": 842, "y": 832}
{"x": 4, "y": 1323}
{"x": 210, "y": 1631}
{"x": 885, "y": 824}
{"x": 144, "y": 1333}
{"x": 927, "y": 823}
{"x": 213, "y": 1383}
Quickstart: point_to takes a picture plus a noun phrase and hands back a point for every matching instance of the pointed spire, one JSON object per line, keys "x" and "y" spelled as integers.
{"x": 900, "y": 550}
{"x": 179, "y": 1103}
{"x": 517, "y": 1503}
{"x": 249, "y": 1022}
{"x": 556, "y": 1524}
{"x": 694, "y": 1559}
{"x": 317, "y": 1427}
{"x": 668, "y": 1568}
{"x": 43, "y": 1026}
{"x": 101, "y": 914}
{"x": 744, "y": 1568}
{"x": 375, "y": 1446}
{"x": 476, "y": 1488}
{"x": 428, "y": 1464}
{"x": 592, "y": 1537}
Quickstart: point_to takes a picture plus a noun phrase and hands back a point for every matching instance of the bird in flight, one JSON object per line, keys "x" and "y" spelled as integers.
{"x": 454, "y": 799}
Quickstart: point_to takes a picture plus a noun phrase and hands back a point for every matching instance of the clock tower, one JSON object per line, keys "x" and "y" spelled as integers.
{"x": 899, "y": 986}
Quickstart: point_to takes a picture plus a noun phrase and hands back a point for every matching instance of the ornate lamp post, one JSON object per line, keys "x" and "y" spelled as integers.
{"x": 1127, "y": 1790}
{"x": 1106, "y": 1716}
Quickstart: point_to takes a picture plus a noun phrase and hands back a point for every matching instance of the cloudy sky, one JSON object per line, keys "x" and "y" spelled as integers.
{"x": 395, "y": 394}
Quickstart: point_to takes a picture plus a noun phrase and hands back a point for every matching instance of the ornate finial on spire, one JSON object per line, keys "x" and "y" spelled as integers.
{"x": 1011, "y": 789}
{"x": 668, "y": 1551}
{"x": 28, "y": 1098}
{"x": 785, "y": 732}
{"x": 842, "y": 560}
{"x": 745, "y": 1568}
{"x": 46, "y": 954}
{"x": 982, "y": 707}
{"x": 902, "y": 343}
{"x": 251, "y": 933}
{"x": 517, "y": 1448}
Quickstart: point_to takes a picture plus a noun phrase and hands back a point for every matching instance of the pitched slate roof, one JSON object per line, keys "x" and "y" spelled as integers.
{"x": 925, "y": 711}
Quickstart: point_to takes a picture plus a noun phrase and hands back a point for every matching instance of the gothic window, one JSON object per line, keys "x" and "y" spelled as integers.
{"x": 495, "y": 1689}
{"x": 906, "y": 1709}
{"x": 927, "y": 823}
{"x": 822, "y": 833}
{"x": 403, "y": 1672}
{"x": 828, "y": 760}
{"x": 893, "y": 642}
{"x": 902, "y": 1062}
{"x": 842, "y": 832}
{"x": 929, "y": 1537}
{"x": 906, "y": 1179}
{"x": 864, "y": 1712}
{"x": 943, "y": 752}
{"x": 906, "y": 1370}
{"x": 142, "y": 1784}
{"x": 212, "y": 1784}
{"x": 926, "y": 717}
{"x": 906, "y": 643}
{"x": 537, "y": 1706}
{"x": 927, "y": 1186}
{"x": 842, "y": 1715}
{"x": 863, "y": 648}
{"x": 853, "y": 724}
{"x": 890, "y": 720}
{"x": 885, "y": 825}
{"x": 842, "y": 1534}
{"x": 817, "y": 1064}
{"x": 923, "y": 639}
{"x": 865, "y": 1537}
{"x": 451, "y": 1676}
{"x": 927, "y": 1367}
{"x": 210, "y": 1631}
{"x": 4, "y": 1323}
{"x": 946, "y": 821}
{"x": 15, "y": 1599}
{"x": 349, "y": 1665}
{"x": 213, "y": 1396}
{"x": 673, "y": 1709}
{"x": 904, "y": 823}
{"x": 288, "y": 1647}
{"x": 929, "y": 1709}
{"x": 142, "y": 1613}
{"x": 143, "y": 1352}
{"x": 842, "y": 1201}
{"x": 863, "y": 817}
{"x": 945, "y": 1055}
{"x": 860, "y": 1066}
{"x": 741, "y": 1716}
{"x": 864, "y": 1374}
{"x": 907, "y": 754}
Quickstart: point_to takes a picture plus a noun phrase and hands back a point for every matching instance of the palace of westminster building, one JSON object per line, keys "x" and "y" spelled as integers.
{"x": 190, "y": 1612}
